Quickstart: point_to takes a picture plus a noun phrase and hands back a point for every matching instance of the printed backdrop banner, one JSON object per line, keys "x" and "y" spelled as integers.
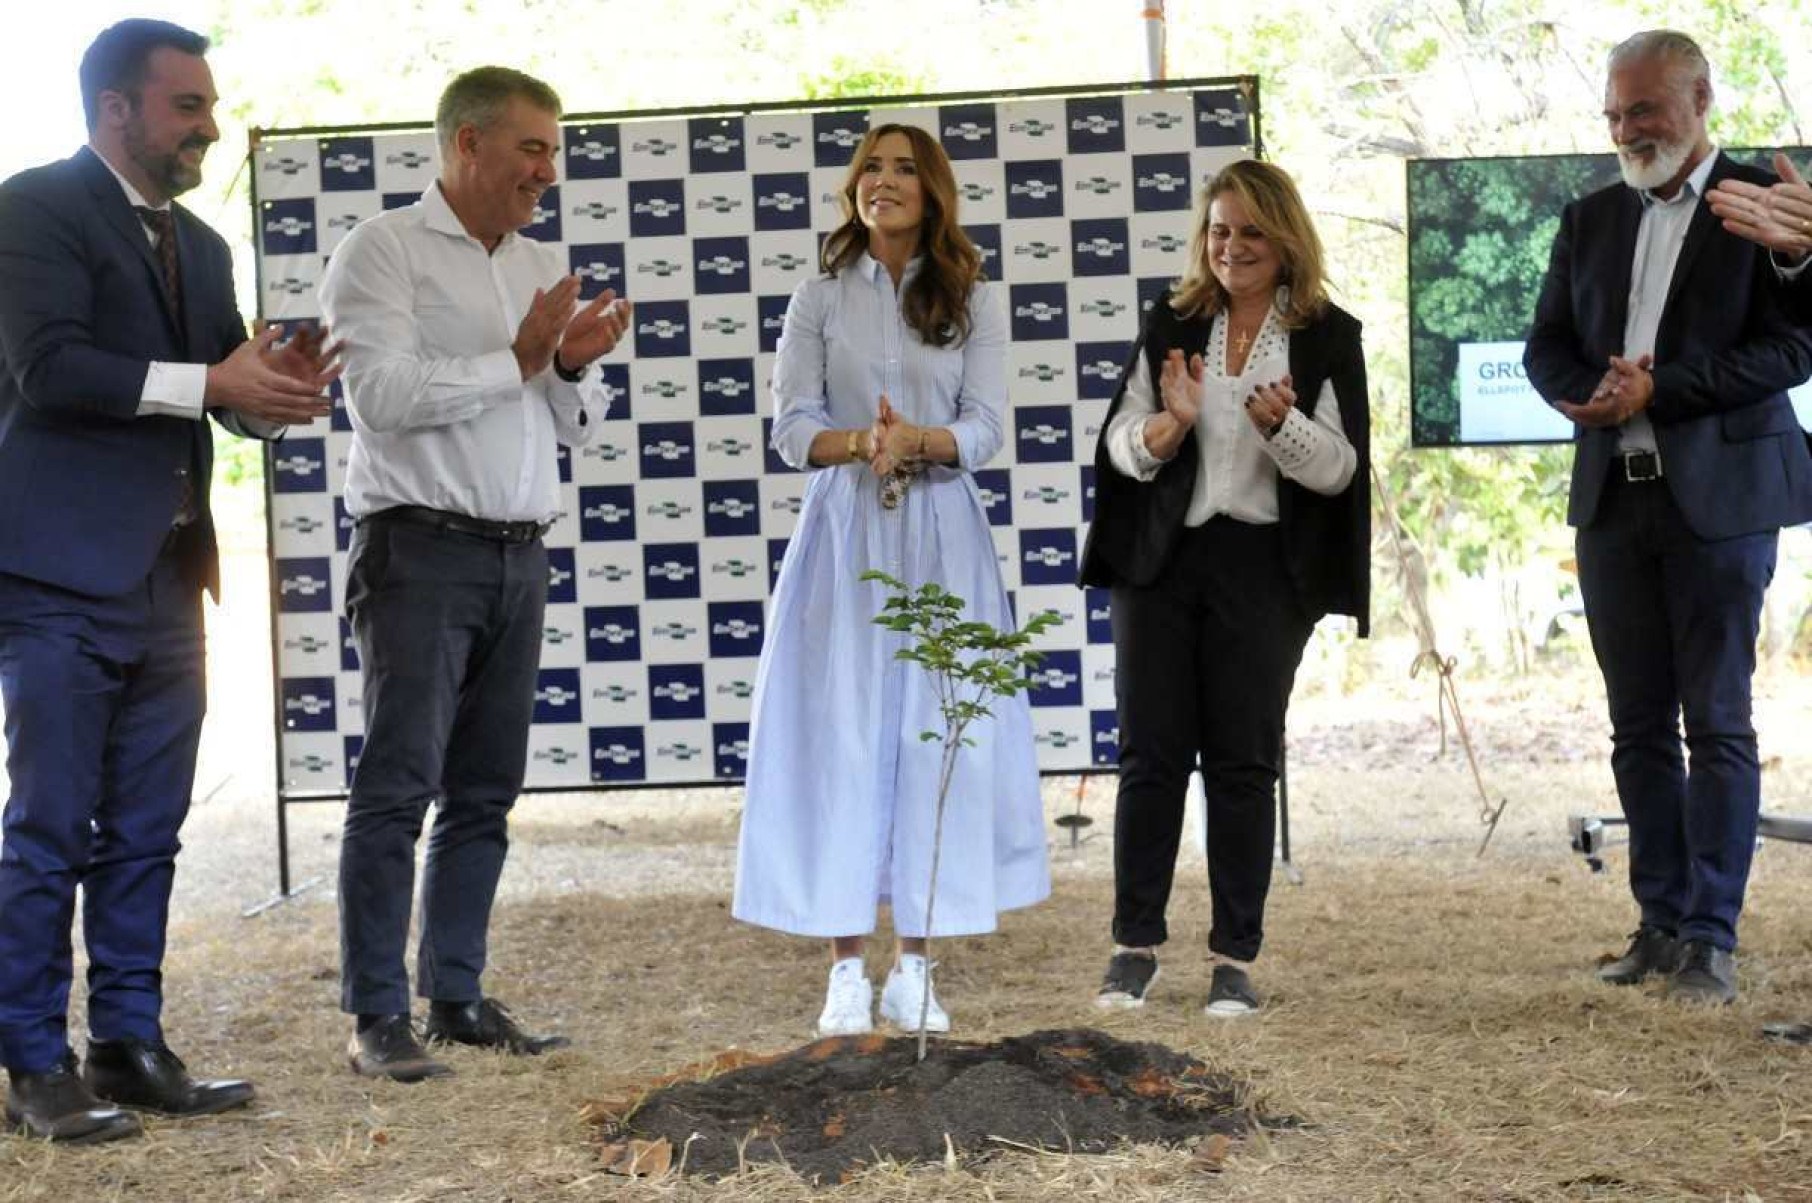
{"x": 676, "y": 516}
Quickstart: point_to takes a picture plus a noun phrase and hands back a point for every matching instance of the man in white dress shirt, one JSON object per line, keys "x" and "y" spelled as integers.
{"x": 468, "y": 358}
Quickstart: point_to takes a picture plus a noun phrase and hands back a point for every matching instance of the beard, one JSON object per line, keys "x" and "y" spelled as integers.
{"x": 1666, "y": 160}
{"x": 166, "y": 169}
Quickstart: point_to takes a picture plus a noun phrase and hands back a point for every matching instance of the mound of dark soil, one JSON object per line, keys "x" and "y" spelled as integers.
{"x": 837, "y": 1104}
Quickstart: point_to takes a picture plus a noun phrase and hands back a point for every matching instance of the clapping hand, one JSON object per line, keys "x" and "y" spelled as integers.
{"x": 1180, "y": 387}
{"x": 1270, "y": 404}
{"x": 542, "y": 327}
{"x": 283, "y": 385}
{"x": 594, "y": 331}
{"x": 1778, "y": 217}
{"x": 881, "y": 437}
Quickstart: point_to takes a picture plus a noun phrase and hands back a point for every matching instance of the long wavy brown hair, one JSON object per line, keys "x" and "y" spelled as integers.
{"x": 935, "y": 303}
{"x": 1275, "y": 206}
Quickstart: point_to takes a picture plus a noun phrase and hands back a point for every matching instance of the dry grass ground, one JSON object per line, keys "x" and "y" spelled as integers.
{"x": 1432, "y": 1015}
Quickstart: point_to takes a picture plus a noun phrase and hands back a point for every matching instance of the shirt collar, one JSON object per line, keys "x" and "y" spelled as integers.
{"x": 1691, "y": 189}
{"x": 870, "y": 268}
{"x": 133, "y": 196}
{"x": 438, "y": 215}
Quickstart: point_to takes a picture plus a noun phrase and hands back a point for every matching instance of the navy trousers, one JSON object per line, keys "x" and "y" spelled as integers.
{"x": 1674, "y": 621}
{"x": 104, "y": 700}
{"x": 448, "y": 627}
{"x": 1204, "y": 662}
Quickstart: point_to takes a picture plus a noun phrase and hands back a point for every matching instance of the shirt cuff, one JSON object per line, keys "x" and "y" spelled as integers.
{"x": 1294, "y": 442}
{"x": 1147, "y": 463}
{"x": 1787, "y": 269}
{"x": 174, "y": 390}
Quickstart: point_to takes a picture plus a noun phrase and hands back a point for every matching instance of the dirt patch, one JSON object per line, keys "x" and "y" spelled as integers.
{"x": 837, "y": 1105}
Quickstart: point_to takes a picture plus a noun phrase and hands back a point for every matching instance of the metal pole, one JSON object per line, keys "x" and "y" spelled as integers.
{"x": 1152, "y": 13}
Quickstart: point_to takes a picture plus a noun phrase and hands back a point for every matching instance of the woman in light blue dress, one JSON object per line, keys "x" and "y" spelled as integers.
{"x": 889, "y": 388}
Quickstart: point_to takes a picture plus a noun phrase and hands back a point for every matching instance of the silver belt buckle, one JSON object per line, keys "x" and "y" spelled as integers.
{"x": 1641, "y": 466}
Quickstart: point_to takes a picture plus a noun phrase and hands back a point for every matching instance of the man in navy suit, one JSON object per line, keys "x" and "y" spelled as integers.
{"x": 1661, "y": 336}
{"x": 119, "y": 334}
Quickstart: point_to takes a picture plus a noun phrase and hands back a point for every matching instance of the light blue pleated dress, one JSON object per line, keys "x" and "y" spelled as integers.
{"x": 841, "y": 790}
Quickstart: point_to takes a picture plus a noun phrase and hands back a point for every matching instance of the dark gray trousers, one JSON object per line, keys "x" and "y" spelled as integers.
{"x": 448, "y": 628}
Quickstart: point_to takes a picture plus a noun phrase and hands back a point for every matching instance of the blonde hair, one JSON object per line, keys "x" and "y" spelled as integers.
{"x": 1275, "y": 206}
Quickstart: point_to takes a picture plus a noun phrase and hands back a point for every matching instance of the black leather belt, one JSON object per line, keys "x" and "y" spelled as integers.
{"x": 1639, "y": 467}
{"x": 462, "y": 524}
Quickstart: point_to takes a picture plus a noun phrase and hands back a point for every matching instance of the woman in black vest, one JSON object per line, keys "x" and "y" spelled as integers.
{"x": 1231, "y": 513}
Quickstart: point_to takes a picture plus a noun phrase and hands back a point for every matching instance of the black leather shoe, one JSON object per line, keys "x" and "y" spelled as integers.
{"x": 149, "y": 1077}
{"x": 389, "y": 1049}
{"x": 1707, "y": 975}
{"x": 1651, "y": 952}
{"x": 486, "y": 1024}
{"x": 57, "y": 1105}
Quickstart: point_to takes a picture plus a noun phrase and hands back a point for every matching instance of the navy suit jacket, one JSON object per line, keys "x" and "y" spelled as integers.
{"x": 1732, "y": 452}
{"x": 87, "y": 489}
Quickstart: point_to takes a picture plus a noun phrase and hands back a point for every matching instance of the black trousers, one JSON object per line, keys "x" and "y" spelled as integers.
{"x": 449, "y": 630}
{"x": 1205, "y": 659}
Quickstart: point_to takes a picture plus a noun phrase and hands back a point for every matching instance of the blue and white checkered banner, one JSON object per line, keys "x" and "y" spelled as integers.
{"x": 676, "y": 516}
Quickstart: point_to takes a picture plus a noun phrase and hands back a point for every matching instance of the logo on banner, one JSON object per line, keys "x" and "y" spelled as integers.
{"x": 544, "y": 224}
{"x": 1160, "y": 182}
{"x": 347, "y": 165}
{"x": 303, "y": 585}
{"x": 557, "y": 756}
{"x": 721, "y": 265}
{"x": 835, "y": 137}
{"x": 1104, "y": 736}
{"x": 1098, "y": 368}
{"x": 408, "y": 160}
{"x": 1043, "y": 434}
{"x": 557, "y": 696}
{"x": 615, "y": 694}
{"x": 599, "y": 265}
{"x": 770, "y": 314}
{"x": 783, "y": 201}
{"x": 1044, "y": 373}
{"x": 658, "y": 148}
{"x": 659, "y": 268}
{"x": 1035, "y": 188}
{"x": 594, "y": 211}
{"x": 301, "y": 468}
{"x": 1220, "y": 119}
{"x": 285, "y": 165}
{"x": 1160, "y": 119}
{"x": 671, "y": 570}
{"x": 308, "y": 704}
{"x": 1036, "y": 249}
{"x": 1033, "y": 127}
{"x": 676, "y": 691}
{"x": 730, "y": 747}
{"x": 661, "y": 330}
{"x": 732, "y": 507}
{"x": 562, "y": 576}
{"x": 657, "y": 208}
{"x": 735, "y": 569}
{"x": 717, "y": 144}
{"x": 996, "y": 489}
{"x": 1057, "y": 681}
{"x": 665, "y": 389}
{"x": 613, "y": 633}
{"x": 968, "y": 131}
{"x": 666, "y": 449}
{"x": 1101, "y": 307}
{"x": 735, "y": 627}
{"x": 307, "y": 645}
{"x": 594, "y": 153}
{"x": 288, "y": 226}
{"x": 1040, "y": 311}
{"x": 779, "y": 139}
{"x": 617, "y": 754}
{"x": 606, "y": 513}
{"x": 1096, "y": 124}
{"x": 301, "y": 524}
{"x": 1100, "y": 247}
{"x": 1047, "y": 557}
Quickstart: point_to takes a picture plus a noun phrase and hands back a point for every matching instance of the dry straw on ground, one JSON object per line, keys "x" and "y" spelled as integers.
{"x": 1432, "y": 1018}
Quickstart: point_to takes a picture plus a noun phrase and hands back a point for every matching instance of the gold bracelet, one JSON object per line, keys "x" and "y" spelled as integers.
{"x": 924, "y": 439}
{"x": 855, "y": 446}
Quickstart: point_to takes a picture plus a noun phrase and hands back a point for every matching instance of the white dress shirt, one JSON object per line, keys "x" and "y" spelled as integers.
{"x": 1658, "y": 242}
{"x": 441, "y": 416}
{"x": 1239, "y": 466}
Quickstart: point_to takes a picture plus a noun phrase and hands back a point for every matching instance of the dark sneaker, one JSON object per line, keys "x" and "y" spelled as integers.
{"x": 1231, "y": 992}
{"x": 1129, "y": 977}
{"x": 1652, "y": 952}
{"x": 1707, "y": 976}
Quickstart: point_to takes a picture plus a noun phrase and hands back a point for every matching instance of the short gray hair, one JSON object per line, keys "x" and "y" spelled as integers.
{"x": 1678, "y": 50}
{"x": 479, "y": 96}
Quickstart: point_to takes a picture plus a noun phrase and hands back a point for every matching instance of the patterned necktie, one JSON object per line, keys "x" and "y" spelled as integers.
{"x": 163, "y": 228}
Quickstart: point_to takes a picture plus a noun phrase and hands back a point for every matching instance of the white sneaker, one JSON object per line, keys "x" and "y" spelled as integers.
{"x": 849, "y": 1000}
{"x": 904, "y": 994}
